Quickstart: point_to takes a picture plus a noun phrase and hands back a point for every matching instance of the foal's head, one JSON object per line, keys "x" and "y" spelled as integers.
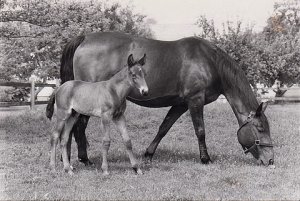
{"x": 136, "y": 74}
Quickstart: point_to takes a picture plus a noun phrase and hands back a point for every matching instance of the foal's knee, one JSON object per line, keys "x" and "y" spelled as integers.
{"x": 128, "y": 144}
{"x": 106, "y": 144}
{"x": 54, "y": 138}
{"x": 64, "y": 142}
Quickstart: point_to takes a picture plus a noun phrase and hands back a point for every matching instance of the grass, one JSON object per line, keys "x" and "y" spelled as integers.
{"x": 175, "y": 173}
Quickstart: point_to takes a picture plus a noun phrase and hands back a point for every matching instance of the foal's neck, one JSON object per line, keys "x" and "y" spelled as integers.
{"x": 121, "y": 84}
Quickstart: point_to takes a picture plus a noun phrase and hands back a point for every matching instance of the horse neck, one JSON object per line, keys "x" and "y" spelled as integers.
{"x": 236, "y": 88}
{"x": 121, "y": 84}
{"x": 240, "y": 106}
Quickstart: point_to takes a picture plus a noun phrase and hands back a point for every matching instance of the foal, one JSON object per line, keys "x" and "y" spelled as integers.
{"x": 106, "y": 100}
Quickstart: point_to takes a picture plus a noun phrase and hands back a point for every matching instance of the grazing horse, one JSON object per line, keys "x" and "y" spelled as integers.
{"x": 185, "y": 74}
{"x": 107, "y": 100}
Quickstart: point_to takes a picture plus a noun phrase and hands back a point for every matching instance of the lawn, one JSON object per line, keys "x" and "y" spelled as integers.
{"x": 175, "y": 173}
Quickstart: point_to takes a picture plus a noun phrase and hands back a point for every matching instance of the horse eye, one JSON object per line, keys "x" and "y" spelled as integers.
{"x": 260, "y": 128}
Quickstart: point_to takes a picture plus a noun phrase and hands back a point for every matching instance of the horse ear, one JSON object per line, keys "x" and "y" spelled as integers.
{"x": 130, "y": 61}
{"x": 261, "y": 108}
{"x": 142, "y": 61}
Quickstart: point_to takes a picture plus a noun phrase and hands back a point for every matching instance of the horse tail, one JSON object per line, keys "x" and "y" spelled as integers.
{"x": 66, "y": 66}
{"x": 66, "y": 69}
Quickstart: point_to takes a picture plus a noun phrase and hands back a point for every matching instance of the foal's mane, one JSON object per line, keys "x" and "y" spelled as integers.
{"x": 233, "y": 79}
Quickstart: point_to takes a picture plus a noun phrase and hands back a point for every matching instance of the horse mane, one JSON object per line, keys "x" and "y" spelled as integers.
{"x": 234, "y": 80}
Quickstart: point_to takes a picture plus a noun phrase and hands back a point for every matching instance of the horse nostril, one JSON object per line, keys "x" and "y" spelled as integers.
{"x": 271, "y": 162}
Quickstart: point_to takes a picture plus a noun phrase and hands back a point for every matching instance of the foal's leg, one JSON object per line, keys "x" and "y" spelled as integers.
{"x": 105, "y": 146}
{"x": 196, "y": 106}
{"x": 121, "y": 125}
{"x": 174, "y": 113}
{"x": 64, "y": 140}
{"x": 54, "y": 140}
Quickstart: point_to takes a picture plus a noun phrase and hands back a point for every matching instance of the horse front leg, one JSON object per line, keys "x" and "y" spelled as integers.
{"x": 196, "y": 106}
{"x": 80, "y": 138}
{"x": 174, "y": 113}
{"x": 121, "y": 125}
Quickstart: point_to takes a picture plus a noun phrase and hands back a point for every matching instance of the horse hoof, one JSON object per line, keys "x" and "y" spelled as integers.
{"x": 205, "y": 160}
{"x": 86, "y": 162}
{"x": 148, "y": 157}
{"x": 137, "y": 170}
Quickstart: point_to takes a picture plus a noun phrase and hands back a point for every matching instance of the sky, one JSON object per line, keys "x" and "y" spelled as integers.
{"x": 176, "y": 18}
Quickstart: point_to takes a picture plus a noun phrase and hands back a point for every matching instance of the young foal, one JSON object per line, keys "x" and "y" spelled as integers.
{"x": 106, "y": 100}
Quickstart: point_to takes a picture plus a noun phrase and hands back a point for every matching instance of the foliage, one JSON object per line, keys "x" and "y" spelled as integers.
{"x": 35, "y": 31}
{"x": 271, "y": 54}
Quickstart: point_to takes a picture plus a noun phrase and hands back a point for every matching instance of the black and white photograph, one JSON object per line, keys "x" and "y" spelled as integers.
{"x": 150, "y": 100}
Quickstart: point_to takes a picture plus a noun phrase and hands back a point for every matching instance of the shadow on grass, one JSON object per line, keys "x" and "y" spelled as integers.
{"x": 175, "y": 156}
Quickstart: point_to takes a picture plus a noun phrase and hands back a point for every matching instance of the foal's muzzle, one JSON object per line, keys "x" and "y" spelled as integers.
{"x": 144, "y": 91}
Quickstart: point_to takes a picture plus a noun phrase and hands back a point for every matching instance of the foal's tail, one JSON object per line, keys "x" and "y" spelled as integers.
{"x": 50, "y": 106}
{"x": 66, "y": 69}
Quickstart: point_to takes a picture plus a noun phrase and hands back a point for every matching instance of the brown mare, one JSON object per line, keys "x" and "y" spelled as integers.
{"x": 107, "y": 100}
{"x": 185, "y": 74}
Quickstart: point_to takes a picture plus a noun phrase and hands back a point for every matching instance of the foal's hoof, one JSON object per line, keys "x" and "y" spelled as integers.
{"x": 205, "y": 159}
{"x": 138, "y": 171}
{"x": 105, "y": 173}
{"x": 52, "y": 169}
{"x": 69, "y": 171}
{"x": 86, "y": 162}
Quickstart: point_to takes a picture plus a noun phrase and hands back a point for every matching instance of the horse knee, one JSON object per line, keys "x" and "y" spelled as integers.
{"x": 200, "y": 134}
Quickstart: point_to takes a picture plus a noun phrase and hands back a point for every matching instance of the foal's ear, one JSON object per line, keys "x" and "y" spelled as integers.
{"x": 261, "y": 108}
{"x": 130, "y": 61}
{"x": 142, "y": 61}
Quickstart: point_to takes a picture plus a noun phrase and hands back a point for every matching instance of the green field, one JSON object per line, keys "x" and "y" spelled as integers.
{"x": 175, "y": 173}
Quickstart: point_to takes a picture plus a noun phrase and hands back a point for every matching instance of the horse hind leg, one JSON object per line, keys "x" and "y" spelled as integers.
{"x": 64, "y": 141}
{"x": 80, "y": 138}
{"x": 121, "y": 125}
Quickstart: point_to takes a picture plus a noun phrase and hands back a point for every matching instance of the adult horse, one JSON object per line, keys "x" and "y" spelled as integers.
{"x": 185, "y": 74}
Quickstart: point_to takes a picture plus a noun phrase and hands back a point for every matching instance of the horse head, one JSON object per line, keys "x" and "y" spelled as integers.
{"x": 137, "y": 74}
{"x": 254, "y": 136}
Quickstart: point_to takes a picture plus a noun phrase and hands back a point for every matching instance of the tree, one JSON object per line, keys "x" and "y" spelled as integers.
{"x": 35, "y": 31}
{"x": 273, "y": 54}
{"x": 236, "y": 42}
{"x": 281, "y": 39}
